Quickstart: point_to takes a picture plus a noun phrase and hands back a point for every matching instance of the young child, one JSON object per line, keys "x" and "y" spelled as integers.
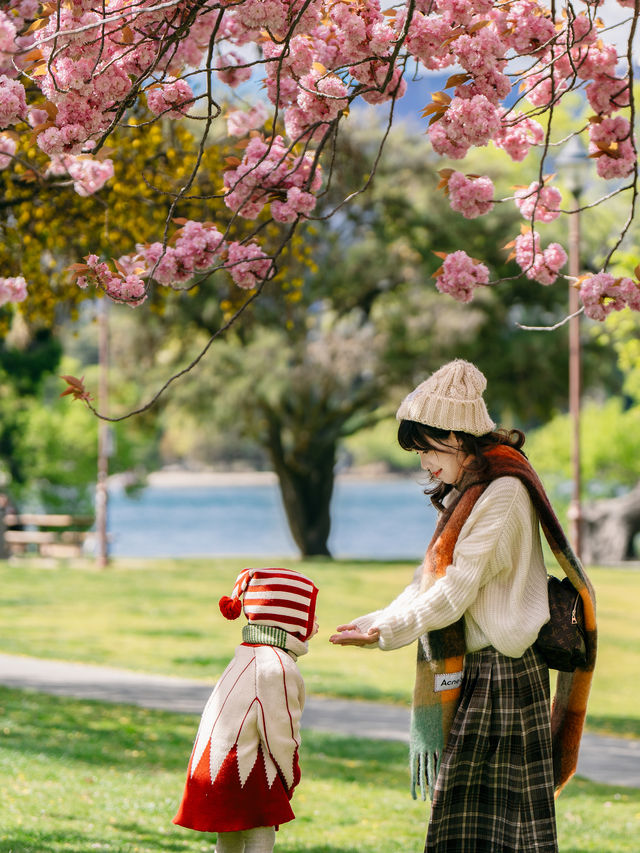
{"x": 244, "y": 765}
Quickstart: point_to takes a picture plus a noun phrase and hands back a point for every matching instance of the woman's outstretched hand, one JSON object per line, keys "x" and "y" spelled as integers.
{"x": 350, "y": 635}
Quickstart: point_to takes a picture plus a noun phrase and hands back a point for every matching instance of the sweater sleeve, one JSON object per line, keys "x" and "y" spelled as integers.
{"x": 451, "y": 595}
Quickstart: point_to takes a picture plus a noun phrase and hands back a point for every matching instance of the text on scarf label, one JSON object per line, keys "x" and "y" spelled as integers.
{"x": 447, "y": 681}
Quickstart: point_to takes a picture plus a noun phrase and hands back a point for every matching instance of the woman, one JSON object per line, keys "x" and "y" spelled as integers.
{"x": 481, "y": 734}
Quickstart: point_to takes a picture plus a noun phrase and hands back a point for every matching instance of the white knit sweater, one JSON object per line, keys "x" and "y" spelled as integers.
{"x": 497, "y": 580}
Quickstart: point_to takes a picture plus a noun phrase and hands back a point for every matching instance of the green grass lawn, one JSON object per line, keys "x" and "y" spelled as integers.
{"x": 82, "y": 776}
{"x": 162, "y": 616}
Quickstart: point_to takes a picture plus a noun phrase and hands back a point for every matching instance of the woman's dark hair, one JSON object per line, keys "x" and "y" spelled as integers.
{"x": 414, "y": 436}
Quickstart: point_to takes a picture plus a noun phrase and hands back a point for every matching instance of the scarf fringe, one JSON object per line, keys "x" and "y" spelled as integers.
{"x": 424, "y": 772}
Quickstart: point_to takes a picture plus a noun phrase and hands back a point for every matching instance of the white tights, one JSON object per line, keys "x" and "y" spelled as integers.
{"x": 258, "y": 840}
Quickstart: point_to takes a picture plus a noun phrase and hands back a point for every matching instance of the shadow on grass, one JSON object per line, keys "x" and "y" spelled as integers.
{"x": 79, "y": 842}
{"x": 119, "y": 736}
{"x": 127, "y": 738}
{"x": 615, "y": 726}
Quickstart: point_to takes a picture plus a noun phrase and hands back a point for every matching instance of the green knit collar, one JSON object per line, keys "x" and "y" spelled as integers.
{"x": 265, "y": 635}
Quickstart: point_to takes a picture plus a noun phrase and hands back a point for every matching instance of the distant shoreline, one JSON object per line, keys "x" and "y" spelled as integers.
{"x": 181, "y": 478}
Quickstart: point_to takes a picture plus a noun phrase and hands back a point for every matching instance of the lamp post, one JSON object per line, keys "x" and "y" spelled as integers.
{"x": 104, "y": 439}
{"x": 572, "y": 164}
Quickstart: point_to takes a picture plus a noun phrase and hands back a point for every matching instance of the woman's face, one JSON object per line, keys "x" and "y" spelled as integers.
{"x": 445, "y": 461}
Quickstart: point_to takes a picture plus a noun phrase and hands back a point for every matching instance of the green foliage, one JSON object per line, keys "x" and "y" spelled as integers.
{"x": 610, "y": 449}
{"x": 58, "y": 445}
{"x": 622, "y": 332}
{"x": 49, "y": 445}
{"x": 379, "y": 445}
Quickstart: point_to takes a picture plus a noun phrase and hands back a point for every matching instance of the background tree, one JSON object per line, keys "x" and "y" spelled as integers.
{"x": 331, "y": 351}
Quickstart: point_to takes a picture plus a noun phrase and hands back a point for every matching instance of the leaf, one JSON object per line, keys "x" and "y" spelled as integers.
{"x": 180, "y": 220}
{"x": 76, "y": 270}
{"x": 441, "y": 98}
{"x": 636, "y": 271}
{"x": 457, "y": 80}
{"x": 234, "y": 162}
{"x": 442, "y": 255}
{"x": 438, "y": 272}
{"x": 480, "y": 25}
{"x": 50, "y": 109}
{"x": 32, "y": 55}
{"x": 75, "y": 387}
{"x": 39, "y": 69}
{"x": 38, "y": 24}
{"x": 127, "y": 35}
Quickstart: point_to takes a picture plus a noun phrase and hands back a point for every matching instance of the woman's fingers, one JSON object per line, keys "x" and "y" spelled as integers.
{"x": 354, "y": 637}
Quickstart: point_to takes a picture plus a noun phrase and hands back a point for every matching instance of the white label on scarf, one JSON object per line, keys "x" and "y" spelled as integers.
{"x": 447, "y": 681}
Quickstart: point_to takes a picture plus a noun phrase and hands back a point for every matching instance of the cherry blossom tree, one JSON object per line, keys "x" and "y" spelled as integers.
{"x": 282, "y": 76}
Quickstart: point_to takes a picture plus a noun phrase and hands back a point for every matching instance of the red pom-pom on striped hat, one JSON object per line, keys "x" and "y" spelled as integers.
{"x": 280, "y": 597}
{"x": 230, "y": 608}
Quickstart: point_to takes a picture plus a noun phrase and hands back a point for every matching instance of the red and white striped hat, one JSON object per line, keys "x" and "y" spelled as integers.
{"x": 280, "y": 597}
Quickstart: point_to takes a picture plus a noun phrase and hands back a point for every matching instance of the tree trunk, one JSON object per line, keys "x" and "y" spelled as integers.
{"x": 609, "y": 527}
{"x": 306, "y": 477}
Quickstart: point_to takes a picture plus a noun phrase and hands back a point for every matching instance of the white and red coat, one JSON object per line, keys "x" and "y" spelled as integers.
{"x": 244, "y": 765}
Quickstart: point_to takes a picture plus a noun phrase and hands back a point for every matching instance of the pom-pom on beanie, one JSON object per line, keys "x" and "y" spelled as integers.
{"x": 280, "y": 597}
{"x": 451, "y": 398}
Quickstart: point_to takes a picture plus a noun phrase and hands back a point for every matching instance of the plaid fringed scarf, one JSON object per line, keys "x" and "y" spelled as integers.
{"x": 441, "y": 653}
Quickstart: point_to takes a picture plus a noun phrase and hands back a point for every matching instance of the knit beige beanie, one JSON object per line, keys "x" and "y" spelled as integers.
{"x": 451, "y": 398}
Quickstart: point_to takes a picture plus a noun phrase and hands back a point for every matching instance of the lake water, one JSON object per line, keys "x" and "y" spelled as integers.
{"x": 383, "y": 519}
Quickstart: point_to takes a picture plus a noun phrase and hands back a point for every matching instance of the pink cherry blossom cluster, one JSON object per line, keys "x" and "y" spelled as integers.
{"x": 268, "y": 173}
{"x": 467, "y": 122}
{"x": 13, "y": 289}
{"x": 171, "y": 98}
{"x": 539, "y": 265}
{"x": 541, "y": 203}
{"x": 319, "y": 101}
{"x": 427, "y": 39}
{"x": 524, "y": 27}
{"x": 194, "y": 248}
{"x": 89, "y": 174}
{"x": 117, "y": 285}
{"x": 577, "y": 53}
{"x": 602, "y": 293}
{"x": 459, "y": 276}
{"x": 232, "y": 69}
{"x": 91, "y": 60}
{"x": 247, "y": 264}
{"x": 240, "y": 122}
{"x": 8, "y": 147}
{"x": 13, "y": 102}
{"x": 470, "y": 195}
{"x": 610, "y": 141}
{"x": 197, "y": 247}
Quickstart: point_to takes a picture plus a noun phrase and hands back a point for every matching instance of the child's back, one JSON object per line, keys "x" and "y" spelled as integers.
{"x": 244, "y": 765}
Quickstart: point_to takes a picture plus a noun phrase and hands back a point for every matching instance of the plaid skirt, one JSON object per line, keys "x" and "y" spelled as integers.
{"x": 494, "y": 792}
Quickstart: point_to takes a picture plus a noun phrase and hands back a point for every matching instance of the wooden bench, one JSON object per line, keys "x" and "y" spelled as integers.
{"x": 58, "y": 536}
